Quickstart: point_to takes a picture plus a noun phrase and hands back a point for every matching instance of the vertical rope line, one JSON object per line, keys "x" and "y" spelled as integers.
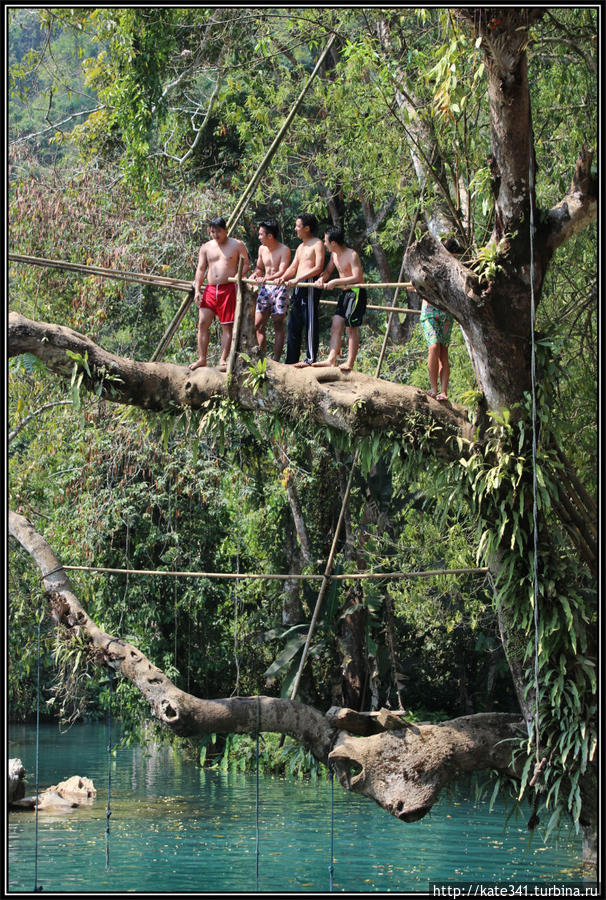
{"x": 236, "y": 689}
{"x": 331, "y": 555}
{"x": 331, "y": 867}
{"x": 534, "y": 450}
{"x": 36, "y": 886}
{"x": 257, "y": 794}
{"x": 396, "y": 292}
{"x": 109, "y": 771}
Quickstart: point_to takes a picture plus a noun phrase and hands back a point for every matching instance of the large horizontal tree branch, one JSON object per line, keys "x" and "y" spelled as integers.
{"x": 577, "y": 209}
{"x": 403, "y": 770}
{"x": 179, "y": 711}
{"x": 352, "y": 402}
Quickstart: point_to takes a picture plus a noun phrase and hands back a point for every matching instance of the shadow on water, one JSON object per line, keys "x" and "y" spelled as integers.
{"x": 176, "y": 828}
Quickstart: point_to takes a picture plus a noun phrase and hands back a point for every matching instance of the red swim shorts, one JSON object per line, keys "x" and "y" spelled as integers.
{"x": 221, "y": 298}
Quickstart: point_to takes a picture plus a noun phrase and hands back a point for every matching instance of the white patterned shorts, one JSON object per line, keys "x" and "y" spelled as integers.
{"x": 274, "y": 297}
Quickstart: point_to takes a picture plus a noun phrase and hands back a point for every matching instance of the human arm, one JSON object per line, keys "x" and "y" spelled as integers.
{"x": 291, "y": 270}
{"x": 284, "y": 263}
{"x": 356, "y": 277}
{"x": 257, "y": 275}
{"x": 321, "y": 280}
{"x": 243, "y": 252}
{"x": 200, "y": 272}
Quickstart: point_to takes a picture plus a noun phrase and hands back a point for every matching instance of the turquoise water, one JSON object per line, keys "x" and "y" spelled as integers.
{"x": 176, "y": 828}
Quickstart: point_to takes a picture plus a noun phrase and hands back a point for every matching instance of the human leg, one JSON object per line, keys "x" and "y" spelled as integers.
{"x": 226, "y": 335}
{"x": 294, "y": 330}
{"x": 312, "y": 329}
{"x": 444, "y": 372}
{"x": 353, "y": 343}
{"x": 261, "y": 319}
{"x": 205, "y": 317}
{"x": 433, "y": 365}
{"x": 279, "y": 336}
{"x": 336, "y": 336}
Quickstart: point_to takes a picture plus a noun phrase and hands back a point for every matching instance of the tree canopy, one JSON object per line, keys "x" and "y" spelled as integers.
{"x": 128, "y": 128}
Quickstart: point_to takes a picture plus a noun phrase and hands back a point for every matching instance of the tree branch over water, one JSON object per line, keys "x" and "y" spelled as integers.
{"x": 402, "y": 768}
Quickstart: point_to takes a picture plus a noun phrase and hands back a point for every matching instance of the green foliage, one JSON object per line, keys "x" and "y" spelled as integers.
{"x": 128, "y": 187}
{"x": 277, "y": 756}
{"x": 501, "y": 479}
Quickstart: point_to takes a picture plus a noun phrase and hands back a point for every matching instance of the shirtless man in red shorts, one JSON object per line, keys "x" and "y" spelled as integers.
{"x": 220, "y": 256}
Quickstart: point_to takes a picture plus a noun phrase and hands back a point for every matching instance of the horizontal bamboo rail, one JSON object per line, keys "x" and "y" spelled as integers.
{"x": 175, "y": 284}
{"x": 353, "y": 576}
{"x": 138, "y": 277}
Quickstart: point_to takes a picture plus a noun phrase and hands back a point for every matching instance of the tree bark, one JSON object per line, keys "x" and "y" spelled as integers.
{"x": 351, "y": 402}
{"x": 402, "y": 770}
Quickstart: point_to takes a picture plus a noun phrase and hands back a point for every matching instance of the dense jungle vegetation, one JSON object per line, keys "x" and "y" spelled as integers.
{"x": 128, "y": 128}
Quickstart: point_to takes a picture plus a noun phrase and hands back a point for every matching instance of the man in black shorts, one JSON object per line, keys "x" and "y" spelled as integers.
{"x": 351, "y": 305}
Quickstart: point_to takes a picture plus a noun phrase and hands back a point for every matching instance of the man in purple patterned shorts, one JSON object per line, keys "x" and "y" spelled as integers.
{"x": 272, "y": 262}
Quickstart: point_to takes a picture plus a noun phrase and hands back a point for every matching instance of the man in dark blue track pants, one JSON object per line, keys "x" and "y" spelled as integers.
{"x": 305, "y": 301}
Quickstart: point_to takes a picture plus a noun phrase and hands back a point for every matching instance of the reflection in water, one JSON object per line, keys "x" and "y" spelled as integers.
{"x": 176, "y": 828}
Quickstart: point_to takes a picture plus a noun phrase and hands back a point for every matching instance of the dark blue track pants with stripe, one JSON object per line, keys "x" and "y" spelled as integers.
{"x": 303, "y": 321}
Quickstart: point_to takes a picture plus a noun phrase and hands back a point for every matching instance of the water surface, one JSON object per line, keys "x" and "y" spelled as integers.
{"x": 177, "y": 828}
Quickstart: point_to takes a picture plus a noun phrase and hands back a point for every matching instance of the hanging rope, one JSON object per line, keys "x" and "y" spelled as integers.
{"x": 540, "y": 763}
{"x": 327, "y": 572}
{"x": 331, "y": 866}
{"x": 108, "y": 811}
{"x": 346, "y": 576}
{"x": 234, "y": 596}
{"x": 37, "y": 887}
{"x": 257, "y": 794}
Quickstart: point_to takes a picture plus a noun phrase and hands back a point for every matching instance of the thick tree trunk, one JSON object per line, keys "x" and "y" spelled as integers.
{"x": 495, "y": 318}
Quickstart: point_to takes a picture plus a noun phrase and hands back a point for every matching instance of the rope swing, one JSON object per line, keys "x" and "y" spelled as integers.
{"x": 37, "y": 887}
{"x": 108, "y": 811}
{"x": 540, "y": 762}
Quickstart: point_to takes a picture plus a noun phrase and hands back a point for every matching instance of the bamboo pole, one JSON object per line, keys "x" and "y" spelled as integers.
{"x": 237, "y": 328}
{"x": 247, "y": 194}
{"x": 259, "y": 576}
{"x": 347, "y": 287}
{"x": 325, "y": 580}
{"x": 138, "y": 277}
{"x": 176, "y": 284}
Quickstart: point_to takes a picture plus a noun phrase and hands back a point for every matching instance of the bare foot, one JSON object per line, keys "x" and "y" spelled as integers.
{"x": 198, "y": 364}
{"x": 301, "y": 365}
{"x": 432, "y": 394}
{"x": 345, "y": 367}
{"x": 222, "y": 367}
{"x": 326, "y": 362}
{"x": 441, "y": 396}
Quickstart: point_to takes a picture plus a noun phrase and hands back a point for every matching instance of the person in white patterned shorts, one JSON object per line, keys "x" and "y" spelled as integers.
{"x": 272, "y": 262}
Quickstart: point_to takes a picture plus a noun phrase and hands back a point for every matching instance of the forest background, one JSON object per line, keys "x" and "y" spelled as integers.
{"x": 128, "y": 128}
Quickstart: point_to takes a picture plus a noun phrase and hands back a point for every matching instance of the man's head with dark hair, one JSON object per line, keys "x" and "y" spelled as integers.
{"x": 334, "y": 234}
{"x": 271, "y": 227}
{"x": 308, "y": 220}
{"x": 217, "y": 222}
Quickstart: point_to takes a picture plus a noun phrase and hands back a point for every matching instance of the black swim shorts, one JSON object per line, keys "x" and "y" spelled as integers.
{"x": 352, "y": 306}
